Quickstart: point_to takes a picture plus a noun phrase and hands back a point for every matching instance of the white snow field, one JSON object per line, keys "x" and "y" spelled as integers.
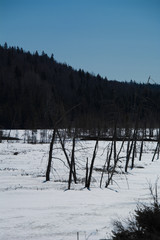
{"x": 33, "y": 209}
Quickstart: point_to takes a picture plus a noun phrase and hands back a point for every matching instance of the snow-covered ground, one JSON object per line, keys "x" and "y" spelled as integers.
{"x": 33, "y": 209}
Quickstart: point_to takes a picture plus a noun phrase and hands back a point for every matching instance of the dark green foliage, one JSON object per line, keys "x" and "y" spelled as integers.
{"x": 143, "y": 225}
{"x": 148, "y": 219}
{"x": 35, "y": 91}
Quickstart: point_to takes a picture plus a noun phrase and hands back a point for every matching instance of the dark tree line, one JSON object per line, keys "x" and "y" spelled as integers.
{"x": 35, "y": 91}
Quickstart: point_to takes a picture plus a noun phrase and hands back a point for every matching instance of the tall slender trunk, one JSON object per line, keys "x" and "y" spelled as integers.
{"x": 67, "y": 157}
{"x": 109, "y": 157}
{"x": 50, "y": 156}
{"x": 86, "y": 179}
{"x": 156, "y": 150}
{"x": 141, "y": 150}
{"x": 110, "y": 176}
{"x": 130, "y": 148}
{"x": 92, "y": 163}
{"x": 104, "y": 167}
{"x": 133, "y": 153}
{"x": 72, "y": 165}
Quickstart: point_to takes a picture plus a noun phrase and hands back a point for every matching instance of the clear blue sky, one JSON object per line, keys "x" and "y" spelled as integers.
{"x": 119, "y": 39}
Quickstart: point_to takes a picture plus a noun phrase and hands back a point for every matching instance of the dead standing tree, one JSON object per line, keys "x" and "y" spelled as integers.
{"x": 157, "y": 149}
{"x": 70, "y": 162}
{"x": 107, "y": 162}
{"x": 113, "y": 170}
{"x": 50, "y": 156}
{"x": 55, "y": 129}
{"x": 131, "y": 146}
{"x": 112, "y": 150}
{"x": 141, "y": 147}
{"x": 89, "y": 175}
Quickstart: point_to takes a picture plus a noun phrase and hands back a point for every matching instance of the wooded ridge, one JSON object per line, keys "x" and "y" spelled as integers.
{"x": 36, "y": 91}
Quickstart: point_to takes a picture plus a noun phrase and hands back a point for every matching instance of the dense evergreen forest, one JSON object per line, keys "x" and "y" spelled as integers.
{"x": 36, "y": 91}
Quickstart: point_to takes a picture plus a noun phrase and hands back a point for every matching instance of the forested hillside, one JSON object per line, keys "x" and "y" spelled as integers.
{"x": 36, "y": 91}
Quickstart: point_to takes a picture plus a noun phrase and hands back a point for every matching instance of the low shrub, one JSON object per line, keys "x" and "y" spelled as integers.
{"x": 144, "y": 224}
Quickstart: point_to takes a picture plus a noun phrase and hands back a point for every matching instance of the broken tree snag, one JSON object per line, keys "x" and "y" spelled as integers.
{"x": 109, "y": 156}
{"x": 156, "y": 151}
{"x": 92, "y": 162}
{"x": 50, "y": 155}
{"x": 62, "y": 142}
{"x": 142, "y": 143}
{"x": 72, "y": 165}
{"x": 134, "y": 150}
{"x": 141, "y": 150}
{"x": 55, "y": 129}
{"x": 113, "y": 169}
{"x": 132, "y": 146}
{"x": 104, "y": 168}
{"x": 86, "y": 178}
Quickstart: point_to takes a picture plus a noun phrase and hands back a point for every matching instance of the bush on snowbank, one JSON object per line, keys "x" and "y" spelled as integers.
{"x": 144, "y": 224}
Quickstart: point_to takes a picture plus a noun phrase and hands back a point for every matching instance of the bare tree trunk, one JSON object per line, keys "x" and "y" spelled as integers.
{"x": 114, "y": 147}
{"x": 130, "y": 148}
{"x": 128, "y": 155}
{"x": 86, "y": 173}
{"x": 92, "y": 163}
{"x": 67, "y": 157}
{"x": 104, "y": 167}
{"x": 63, "y": 148}
{"x": 109, "y": 157}
{"x": 52, "y": 142}
{"x": 72, "y": 165}
{"x": 133, "y": 154}
{"x": 110, "y": 175}
{"x": 141, "y": 150}
{"x": 156, "y": 150}
{"x": 128, "y": 145}
{"x": 50, "y": 156}
{"x": 1, "y": 134}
